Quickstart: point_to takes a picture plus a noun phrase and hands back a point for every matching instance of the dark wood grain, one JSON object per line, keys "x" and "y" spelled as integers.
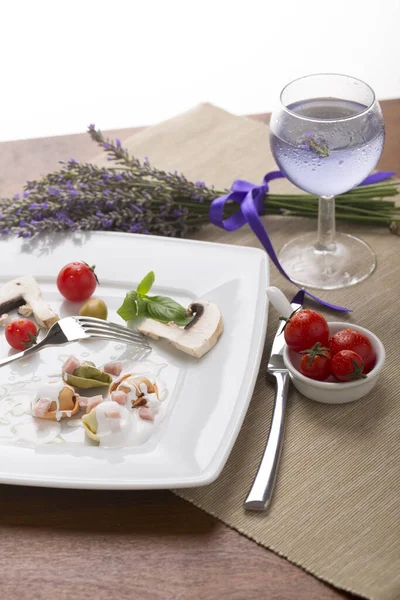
{"x": 58, "y": 544}
{"x": 63, "y": 544}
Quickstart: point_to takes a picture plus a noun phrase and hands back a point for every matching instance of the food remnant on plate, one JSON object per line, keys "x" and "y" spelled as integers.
{"x": 55, "y": 401}
{"x": 21, "y": 333}
{"x": 196, "y": 338}
{"x": 108, "y": 423}
{"x": 90, "y": 403}
{"x": 23, "y": 291}
{"x": 113, "y": 368}
{"x": 146, "y": 413}
{"x": 4, "y": 320}
{"x": 119, "y": 396}
{"x": 84, "y": 375}
{"x": 127, "y": 417}
{"x": 25, "y": 310}
{"x": 70, "y": 365}
{"x": 77, "y": 281}
{"x": 94, "y": 307}
{"x": 139, "y": 390}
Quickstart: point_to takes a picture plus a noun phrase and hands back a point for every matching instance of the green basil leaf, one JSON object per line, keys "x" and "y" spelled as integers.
{"x": 145, "y": 285}
{"x": 165, "y": 310}
{"x": 140, "y": 306}
{"x": 129, "y": 308}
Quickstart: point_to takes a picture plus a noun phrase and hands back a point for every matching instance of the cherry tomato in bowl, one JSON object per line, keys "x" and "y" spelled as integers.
{"x": 77, "y": 281}
{"x": 305, "y": 328}
{"x": 347, "y": 365}
{"x": 333, "y": 391}
{"x": 316, "y": 362}
{"x": 21, "y": 334}
{"x": 356, "y": 341}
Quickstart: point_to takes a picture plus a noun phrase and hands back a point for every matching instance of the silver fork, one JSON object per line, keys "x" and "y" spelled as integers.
{"x": 72, "y": 329}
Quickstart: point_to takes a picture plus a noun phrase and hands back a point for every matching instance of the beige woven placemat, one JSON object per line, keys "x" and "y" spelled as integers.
{"x": 336, "y": 508}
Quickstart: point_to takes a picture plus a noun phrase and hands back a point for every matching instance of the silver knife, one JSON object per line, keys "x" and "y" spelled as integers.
{"x": 262, "y": 489}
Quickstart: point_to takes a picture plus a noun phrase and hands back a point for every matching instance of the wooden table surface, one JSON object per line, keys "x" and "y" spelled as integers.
{"x": 74, "y": 544}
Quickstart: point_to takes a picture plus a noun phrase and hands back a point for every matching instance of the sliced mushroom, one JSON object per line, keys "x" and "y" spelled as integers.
{"x": 25, "y": 310}
{"x": 25, "y": 291}
{"x": 198, "y": 337}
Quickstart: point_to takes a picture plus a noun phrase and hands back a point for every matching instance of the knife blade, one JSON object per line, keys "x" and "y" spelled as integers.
{"x": 261, "y": 491}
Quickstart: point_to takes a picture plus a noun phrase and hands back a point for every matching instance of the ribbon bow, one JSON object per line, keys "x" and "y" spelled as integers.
{"x": 250, "y": 198}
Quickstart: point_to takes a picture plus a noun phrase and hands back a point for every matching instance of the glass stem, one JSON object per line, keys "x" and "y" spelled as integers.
{"x": 326, "y": 224}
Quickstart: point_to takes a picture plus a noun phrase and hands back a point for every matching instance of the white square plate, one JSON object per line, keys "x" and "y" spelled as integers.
{"x": 208, "y": 397}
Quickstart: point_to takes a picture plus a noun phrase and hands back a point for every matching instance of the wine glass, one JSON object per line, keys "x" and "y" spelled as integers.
{"x": 326, "y": 136}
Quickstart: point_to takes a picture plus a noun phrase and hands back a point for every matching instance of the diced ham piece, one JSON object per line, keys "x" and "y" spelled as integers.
{"x": 113, "y": 413}
{"x": 92, "y": 402}
{"x": 70, "y": 365}
{"x": 113, "y": 368}
{"x": 41, "y": 407}
{"x": 119, "y": 397}
{"x": 146, "y": 413}
{"x": 82, "y": 401}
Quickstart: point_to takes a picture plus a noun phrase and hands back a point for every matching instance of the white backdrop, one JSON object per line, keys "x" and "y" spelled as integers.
{"x": 123, "y": 63}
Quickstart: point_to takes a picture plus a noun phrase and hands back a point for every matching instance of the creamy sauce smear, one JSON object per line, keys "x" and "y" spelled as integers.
{"x": 18, "y": 425}
{"x": 128, "y": 430}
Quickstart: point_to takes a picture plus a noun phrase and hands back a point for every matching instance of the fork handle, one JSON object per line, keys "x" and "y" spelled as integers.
{"x": 27, "y": 352}
{"x": 262, "y": 489}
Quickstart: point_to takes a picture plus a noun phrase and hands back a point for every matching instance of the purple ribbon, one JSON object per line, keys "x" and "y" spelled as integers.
{"x": 250, "y": 198}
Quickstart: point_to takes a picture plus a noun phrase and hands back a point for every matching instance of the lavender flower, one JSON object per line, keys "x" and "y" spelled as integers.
{"x": 135, "y": 197}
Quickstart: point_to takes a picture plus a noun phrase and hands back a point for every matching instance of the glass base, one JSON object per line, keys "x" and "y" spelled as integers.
{"x": 350, "y": 261}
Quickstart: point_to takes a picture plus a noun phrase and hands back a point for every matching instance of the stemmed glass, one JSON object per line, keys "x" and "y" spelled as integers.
{"x": 326, "y": 136}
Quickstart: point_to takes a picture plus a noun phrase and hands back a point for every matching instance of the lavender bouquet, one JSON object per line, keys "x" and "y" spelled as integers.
{"x": 133, "y": 196}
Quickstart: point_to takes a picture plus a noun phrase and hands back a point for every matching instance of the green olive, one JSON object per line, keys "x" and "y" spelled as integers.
{"x": 94, "y": 307}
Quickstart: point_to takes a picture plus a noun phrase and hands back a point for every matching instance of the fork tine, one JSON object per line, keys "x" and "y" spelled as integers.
{"x": 92, "y": 321}
{"x": 117, "y": 334}
{"x": 117, "y": 338}
{"x": 128, "y": 332}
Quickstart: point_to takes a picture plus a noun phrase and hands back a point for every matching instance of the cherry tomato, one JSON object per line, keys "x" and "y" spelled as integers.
{"x": 304, "y": 329}
{"x": 316, "y": 362}
{"x": 348, "y": 339}
{"x": 21, "y": 334}
{"x": 77, "y": 281}
{"x": 347, "y": 365}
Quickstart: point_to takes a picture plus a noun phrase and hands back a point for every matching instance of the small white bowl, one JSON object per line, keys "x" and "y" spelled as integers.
{"x": 332, "y": 391}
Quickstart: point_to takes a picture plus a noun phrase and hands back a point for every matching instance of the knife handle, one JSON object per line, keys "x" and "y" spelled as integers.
{"x": 262, "y": 489}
